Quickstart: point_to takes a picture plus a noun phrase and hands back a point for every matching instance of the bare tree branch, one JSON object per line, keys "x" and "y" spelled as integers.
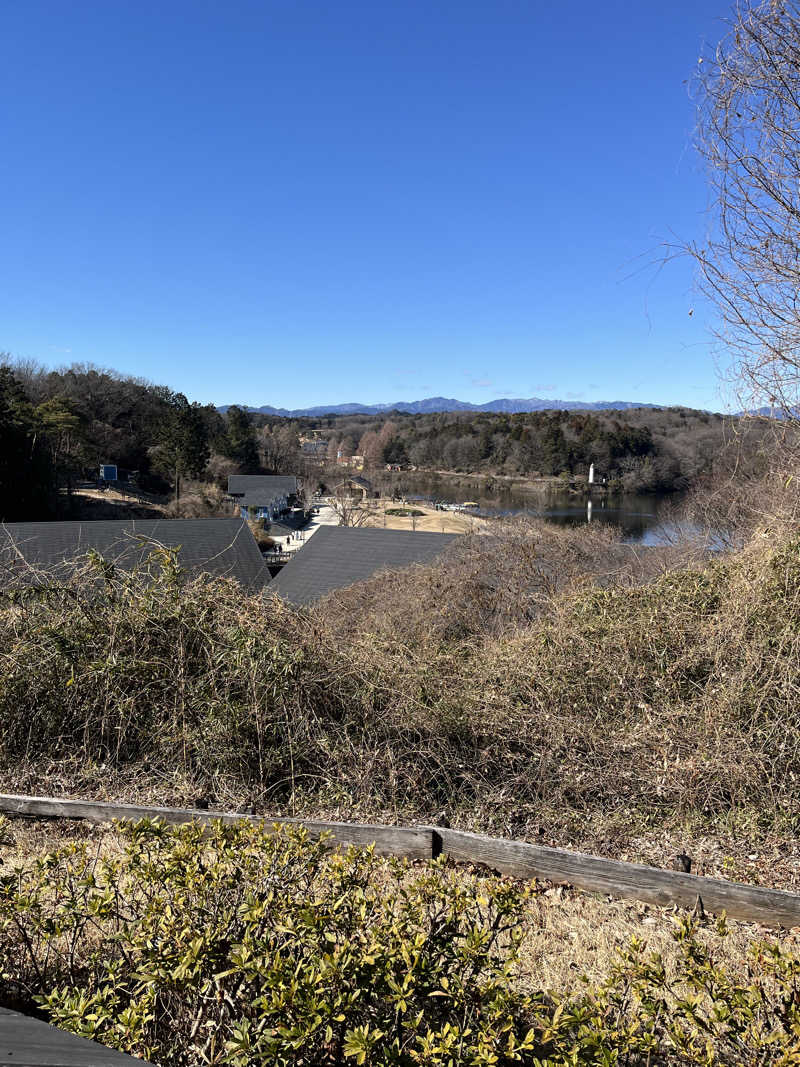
{"x": 749, "y": 137}
{"x": 348, "y": 510}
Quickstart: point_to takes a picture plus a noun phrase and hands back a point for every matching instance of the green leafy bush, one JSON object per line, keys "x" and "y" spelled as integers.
{"x": 232, "y": 945}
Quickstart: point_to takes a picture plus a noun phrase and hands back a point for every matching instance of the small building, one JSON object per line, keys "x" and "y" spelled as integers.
{"x": 314, "y": 452}
{"x": 356, "y": 487}
{"x": 314, "y": 448}
{"x": 262, "y": 496}
{"x": 339, "y": 556}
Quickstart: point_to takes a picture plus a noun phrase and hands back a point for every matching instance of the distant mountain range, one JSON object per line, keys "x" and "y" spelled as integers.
{"x": 442, "y": 403}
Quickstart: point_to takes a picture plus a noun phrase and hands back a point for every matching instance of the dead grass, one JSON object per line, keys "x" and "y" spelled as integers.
{"x": 572, "y": 936}
{"x": 431, "y": 520}
{"x": 111, "y": 504}
{"x": 22, "y": 839}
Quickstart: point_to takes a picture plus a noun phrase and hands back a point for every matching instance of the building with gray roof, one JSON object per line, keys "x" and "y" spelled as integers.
{"x": 261, "y": 496}
{"x": 338, "y": 556}
{"x": 223, "y": 548}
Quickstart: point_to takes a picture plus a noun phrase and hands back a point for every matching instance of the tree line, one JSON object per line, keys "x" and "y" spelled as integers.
{"x": 642, "y": 449}
{"x": 58, "y": 426}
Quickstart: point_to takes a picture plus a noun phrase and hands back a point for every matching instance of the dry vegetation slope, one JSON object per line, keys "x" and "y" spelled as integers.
{"x": 537, "y": 681}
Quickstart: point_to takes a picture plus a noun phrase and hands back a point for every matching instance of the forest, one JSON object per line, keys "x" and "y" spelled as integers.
{"x": 58, "y": 426}
{"x": 644, "y": 450}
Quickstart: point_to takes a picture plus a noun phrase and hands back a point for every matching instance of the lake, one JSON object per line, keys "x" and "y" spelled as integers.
{"x": 647, "y": 520}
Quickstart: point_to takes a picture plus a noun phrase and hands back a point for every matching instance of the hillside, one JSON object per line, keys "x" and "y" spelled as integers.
{"x": 535, "y": 677}
{"x": 538, "y": 683}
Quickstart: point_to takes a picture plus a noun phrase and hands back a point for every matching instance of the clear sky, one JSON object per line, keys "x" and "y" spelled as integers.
{"x": 293, "y": 202}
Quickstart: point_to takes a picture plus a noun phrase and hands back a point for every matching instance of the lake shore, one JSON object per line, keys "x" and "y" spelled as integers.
{"x": 497, "y": 484}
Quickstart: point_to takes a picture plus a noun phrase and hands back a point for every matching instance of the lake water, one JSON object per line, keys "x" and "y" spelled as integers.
{"x": 647, "y": 520}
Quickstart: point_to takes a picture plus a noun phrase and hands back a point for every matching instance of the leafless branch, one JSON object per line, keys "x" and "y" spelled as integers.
{"x": 748, "y": 134}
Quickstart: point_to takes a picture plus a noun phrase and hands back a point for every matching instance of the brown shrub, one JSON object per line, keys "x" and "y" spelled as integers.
{"x": 504, "y": 684}
{"x": 199, "y": 500}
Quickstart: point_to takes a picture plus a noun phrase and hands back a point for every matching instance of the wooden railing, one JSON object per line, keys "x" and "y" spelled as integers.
{"x": 519, "y": 859}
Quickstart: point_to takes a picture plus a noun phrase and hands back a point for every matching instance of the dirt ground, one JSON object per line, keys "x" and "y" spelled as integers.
{"x": 110, "y": 504}
{"x": 431, "y": 520}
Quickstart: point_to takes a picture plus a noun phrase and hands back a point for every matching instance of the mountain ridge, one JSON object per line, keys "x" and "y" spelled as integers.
{"x": 503, "y": 405}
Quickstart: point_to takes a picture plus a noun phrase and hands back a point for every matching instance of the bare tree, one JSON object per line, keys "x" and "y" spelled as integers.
{"x": 306, "y": 490}
{"x": 280, "y": 449}
{"x": 370, "y": 448}
{"x": 348, "y": 510}
{"x": 749, "y": 138}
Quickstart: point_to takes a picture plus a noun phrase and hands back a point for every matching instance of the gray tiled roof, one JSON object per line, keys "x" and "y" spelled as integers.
{"x": 261, "y": 489}
{"x": 337, "y": 556}
{"x": 27, "y": 1042}
{"x": 220, "y": 547}
{"x": 356, "y": 479}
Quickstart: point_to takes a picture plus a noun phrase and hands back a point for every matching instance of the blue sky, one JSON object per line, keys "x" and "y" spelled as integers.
{"x": 292, "y": 203}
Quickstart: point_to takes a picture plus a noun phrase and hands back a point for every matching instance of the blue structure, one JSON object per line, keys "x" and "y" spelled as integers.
{"x": 262, "y": 496}
{"x": 108, "y": 472}
{"x": 258, "y": 512}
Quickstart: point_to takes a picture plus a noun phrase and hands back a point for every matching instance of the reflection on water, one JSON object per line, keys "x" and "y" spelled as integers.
{"x": 648, "y": 520}
{"x": 638, "y": 518}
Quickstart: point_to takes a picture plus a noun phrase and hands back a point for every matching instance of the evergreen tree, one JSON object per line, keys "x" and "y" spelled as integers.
{"x": 240, "y": 442}
{"x": 63, "y": 429}
{"x": 26, "y": 473}
{"x": 183, "y": 448}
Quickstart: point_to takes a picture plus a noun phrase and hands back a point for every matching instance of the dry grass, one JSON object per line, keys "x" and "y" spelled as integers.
{"x": 111, "y": 504}
{"x": 21, "y": 839}
{"x": 535, "y": 682}
{"x": 572, "y": 936}
{"x": 430, "y": 520}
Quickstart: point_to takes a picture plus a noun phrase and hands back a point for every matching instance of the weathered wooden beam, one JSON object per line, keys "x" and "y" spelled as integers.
{"x": 771, "y": 907}
{"x": 412, "y": 842}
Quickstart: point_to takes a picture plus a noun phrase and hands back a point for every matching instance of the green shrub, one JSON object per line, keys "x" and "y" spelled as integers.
{"x": 231, "y": 945}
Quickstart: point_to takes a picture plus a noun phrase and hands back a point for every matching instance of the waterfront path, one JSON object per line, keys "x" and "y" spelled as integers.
{"x": 298, "y": 535}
